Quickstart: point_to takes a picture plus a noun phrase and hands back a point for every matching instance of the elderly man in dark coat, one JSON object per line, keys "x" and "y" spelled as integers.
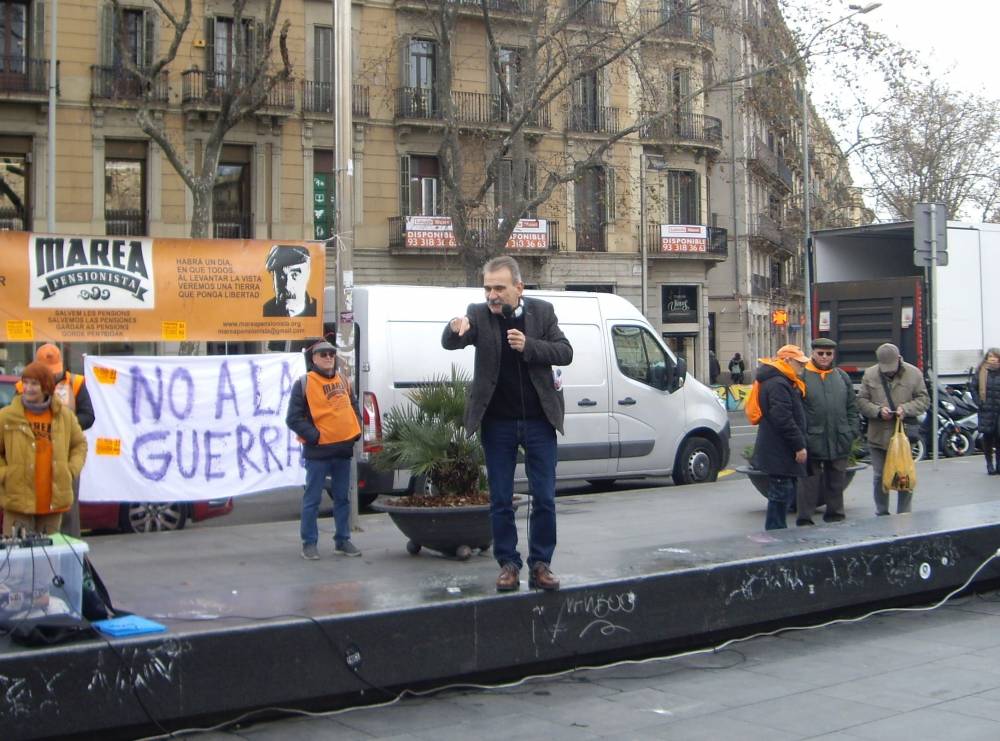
{"x": 833, "y": 424}
{"x": 780, "y": 449}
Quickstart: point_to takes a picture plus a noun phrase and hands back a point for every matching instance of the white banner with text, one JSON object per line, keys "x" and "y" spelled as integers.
{"x": 190, "y": 427}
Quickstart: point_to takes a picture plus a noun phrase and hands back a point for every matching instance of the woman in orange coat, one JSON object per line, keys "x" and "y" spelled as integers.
{"x": 42, "y": 449}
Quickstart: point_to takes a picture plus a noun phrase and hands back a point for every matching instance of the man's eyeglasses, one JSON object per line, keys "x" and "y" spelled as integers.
{"x": 326, "y": 354}
{"x": 823, "y": 352}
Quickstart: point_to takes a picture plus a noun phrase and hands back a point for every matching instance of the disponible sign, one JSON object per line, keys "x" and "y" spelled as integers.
{"x": 683, "y": 238}
{"x": 437, "y": 232}
{"x": 190, "y": 428}
{"x": 66, "y": 288}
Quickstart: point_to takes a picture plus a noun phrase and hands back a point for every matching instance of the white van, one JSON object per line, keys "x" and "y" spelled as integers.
{"x": 631, "y": 408}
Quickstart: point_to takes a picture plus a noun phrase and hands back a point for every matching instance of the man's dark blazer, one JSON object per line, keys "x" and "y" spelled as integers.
{"x": 545, "y": 345}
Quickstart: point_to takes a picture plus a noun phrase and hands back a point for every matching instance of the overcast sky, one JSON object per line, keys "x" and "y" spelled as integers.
{"x": 957, "y": 34}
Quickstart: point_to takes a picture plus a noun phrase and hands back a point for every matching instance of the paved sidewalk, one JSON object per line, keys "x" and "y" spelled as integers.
{"x": 915, "y": 675}
{"x": 906, "y": 676}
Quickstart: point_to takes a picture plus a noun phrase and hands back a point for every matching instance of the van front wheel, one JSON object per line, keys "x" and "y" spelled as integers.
{"x": 698, "y": 462}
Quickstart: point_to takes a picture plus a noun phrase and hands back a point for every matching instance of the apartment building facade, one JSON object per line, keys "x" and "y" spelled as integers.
{"x": 757, "y": 300}
{"x": 276, "y": 172}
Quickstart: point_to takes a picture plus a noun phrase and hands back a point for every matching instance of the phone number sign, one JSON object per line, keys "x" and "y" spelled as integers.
{"x": 436, "y": 232}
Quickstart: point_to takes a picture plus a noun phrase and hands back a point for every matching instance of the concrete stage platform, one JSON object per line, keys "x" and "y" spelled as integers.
{"x": 252, "y": 625}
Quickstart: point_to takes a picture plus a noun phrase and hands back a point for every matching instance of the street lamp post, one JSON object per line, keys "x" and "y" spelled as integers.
{"x": 806, "y": 194}
{"x": 656, "y": 164}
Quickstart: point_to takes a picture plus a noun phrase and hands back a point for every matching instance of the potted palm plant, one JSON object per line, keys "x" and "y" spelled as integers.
{"x": 447, "y": 508}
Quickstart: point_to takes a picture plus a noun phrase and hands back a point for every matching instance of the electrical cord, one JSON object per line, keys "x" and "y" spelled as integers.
{"x": 723, "y": 647}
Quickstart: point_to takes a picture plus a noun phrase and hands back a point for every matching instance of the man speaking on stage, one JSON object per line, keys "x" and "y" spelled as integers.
{"x": 515, "y": 401}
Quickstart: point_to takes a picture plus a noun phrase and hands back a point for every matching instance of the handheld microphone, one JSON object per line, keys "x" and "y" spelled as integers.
{"x": 507, "y": 310}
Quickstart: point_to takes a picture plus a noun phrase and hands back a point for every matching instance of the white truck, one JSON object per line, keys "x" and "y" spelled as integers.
{"x": 868, "y": 291}
{"x": 631, "y": 408}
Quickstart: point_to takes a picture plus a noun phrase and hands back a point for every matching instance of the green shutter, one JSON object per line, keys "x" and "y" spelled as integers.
{"x": 404, "y": 185}
{"x": 107, "y": 35}
{"x": 210, "y": 48}
{"x": 37, "y": 50}
{"x": 150, "y": 26}
{"x": 610, "y": 211}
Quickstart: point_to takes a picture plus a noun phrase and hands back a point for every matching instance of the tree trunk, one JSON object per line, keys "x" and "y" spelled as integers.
{"x": 201, "y": 214}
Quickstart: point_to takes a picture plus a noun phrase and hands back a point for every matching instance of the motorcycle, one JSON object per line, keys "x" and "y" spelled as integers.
{"x": 958, "y": 423}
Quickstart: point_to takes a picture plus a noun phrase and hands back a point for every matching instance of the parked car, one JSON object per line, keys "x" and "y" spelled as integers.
{"x": 135, "y": 517}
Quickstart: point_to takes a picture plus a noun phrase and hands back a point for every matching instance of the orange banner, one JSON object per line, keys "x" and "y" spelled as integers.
{"x": 71, "y": 288}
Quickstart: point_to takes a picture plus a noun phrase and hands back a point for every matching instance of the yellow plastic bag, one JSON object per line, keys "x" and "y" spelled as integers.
{"x": 900, "y": 472}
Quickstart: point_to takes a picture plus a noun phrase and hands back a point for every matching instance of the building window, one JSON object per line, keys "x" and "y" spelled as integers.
{"x": 320, "y": 90}
{"x": 221, "y": 53}
{"x": 503, "y": 189}
{"x": 683, "y": 204}
{"x": 594, "y": 198}
{"x": 15, "y": 183}
{"x": 324, "y": 202}
{"x": 509, "y": 63}
{"x": 13, "y": 36}
{"x": 419, "y": 182}
{"x": 232, "y": 216}
{"x": 125, "y": 188}
{"x": 418, "y": 98}
{"x": 591, "y": 287}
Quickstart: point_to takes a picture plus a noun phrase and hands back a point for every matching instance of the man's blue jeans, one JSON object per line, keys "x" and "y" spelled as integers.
{"x": 501, "y": 439}
{"x": 339, "y": 470}
{"x": 780, "y": 494}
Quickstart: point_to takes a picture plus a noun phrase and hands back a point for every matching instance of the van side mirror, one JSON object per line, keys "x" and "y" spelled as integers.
{"x": 680, "y": 373}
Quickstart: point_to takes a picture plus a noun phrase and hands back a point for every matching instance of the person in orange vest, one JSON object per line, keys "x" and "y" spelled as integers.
{"x": 72, "y": 394}
{"x": 42, "y": 450}
{"x": 323, "y": 412}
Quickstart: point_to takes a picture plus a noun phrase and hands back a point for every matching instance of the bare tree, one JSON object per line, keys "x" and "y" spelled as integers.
{"x": 928, "y": 142}
{"x": 559, "y": 49}
{"x": 236, "y": 94}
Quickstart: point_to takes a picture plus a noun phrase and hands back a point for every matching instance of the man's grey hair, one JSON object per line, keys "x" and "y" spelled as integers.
{"x": 504, "y": 262}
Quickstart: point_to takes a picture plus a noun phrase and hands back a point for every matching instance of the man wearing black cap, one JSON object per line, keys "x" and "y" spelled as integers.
{"x": 832, "y": 420}
{"x": 889, "y": 389}
{"x": 289, "y": 267}
{"x": 323, "y": 412}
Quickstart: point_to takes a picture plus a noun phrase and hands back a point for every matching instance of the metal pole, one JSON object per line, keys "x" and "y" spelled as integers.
{"x": 806, "y": 222}
{"x": 343, "y": 238}
{"x": 644, "y": 278}
{"x": 934, "y": 325}
{"x": 50, "y": 201}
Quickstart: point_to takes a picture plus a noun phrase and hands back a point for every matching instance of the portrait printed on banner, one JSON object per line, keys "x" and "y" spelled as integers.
{"x": 290, "y": 267}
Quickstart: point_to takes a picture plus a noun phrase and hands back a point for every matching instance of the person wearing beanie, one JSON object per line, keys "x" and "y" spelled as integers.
{"x": 324, "y": 414}
{"x": 72, "y": 392}
{"x": 889, "y": 389}
{"x": 780, "y": 448}
{"x": 42, "y": 451}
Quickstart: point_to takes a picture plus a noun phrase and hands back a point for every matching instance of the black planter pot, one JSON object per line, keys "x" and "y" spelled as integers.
{"x": 759, "y": 478}
{"x": 453, "y": 531}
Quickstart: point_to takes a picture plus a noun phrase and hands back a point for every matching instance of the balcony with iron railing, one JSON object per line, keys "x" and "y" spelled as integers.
{"x": 204, "y": 89}
{"x": 469, "y": 108}
{"x": 769, "y": 163}
{"x": 593, "y": 119}
{"x": 670, "y": 26}
{"x": 715, "y": 249}
{"x": 485, "y": 228}
{"x": 14, "y": 220}
{"x": 591, "y": 13}
{"x": 118, "y": 85}
{"x": 508, "y": 9}
{"x": 766, "y": 232}
{"x": 227, "y": 224}
{"x": 591, "y": 238}
{"x": 684, "y": 127}
{"x": 25, "y": 78}
{"x": 124, "y": 222}
{"x": 317, "y": 97}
